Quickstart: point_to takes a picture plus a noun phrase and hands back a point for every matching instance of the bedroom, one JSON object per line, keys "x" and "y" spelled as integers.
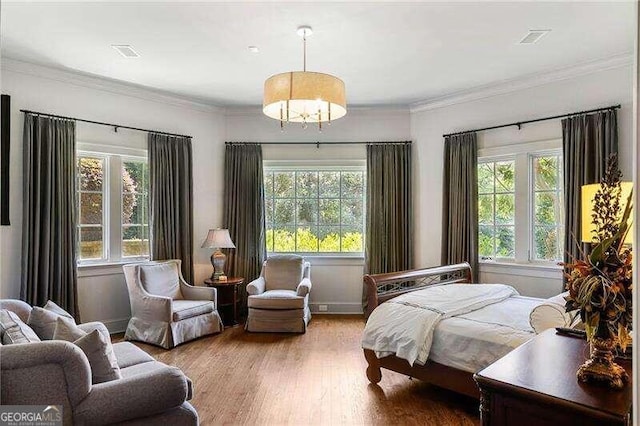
{"x": 413, "y": 72}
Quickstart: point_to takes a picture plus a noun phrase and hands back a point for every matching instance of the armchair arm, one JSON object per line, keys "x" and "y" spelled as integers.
{"x": 304, "y": 287}
{"x": 21, "y": 364}
{"x": 132, "y": 397}
{"x": 256, "y": 286}
{"x": 88, "y": 327}
{"x": 191, "y": 292}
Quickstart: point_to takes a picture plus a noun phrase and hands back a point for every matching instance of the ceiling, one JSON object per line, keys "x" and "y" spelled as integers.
{"x": 387, "y": 53}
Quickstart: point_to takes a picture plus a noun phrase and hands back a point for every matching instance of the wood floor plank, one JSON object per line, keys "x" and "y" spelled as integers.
{"x": 317, "y": 378}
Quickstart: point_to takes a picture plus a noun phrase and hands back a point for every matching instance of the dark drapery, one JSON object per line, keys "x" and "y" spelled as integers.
{"x": 244, "y": 212}
{"x": 49, "y": 213}
{"x": 389, "y": 210}
{"x": 588, "y": 140}
{"x": 460, "y": 201}
{"x": 171, "y": 200}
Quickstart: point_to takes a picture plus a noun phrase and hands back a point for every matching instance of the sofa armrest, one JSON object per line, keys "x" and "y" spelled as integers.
{"x": 132, "y": 397}
{"x": 304, "y": 287}
{"x": 190, "y": 292}
{"x": 17, "y": 360}
{"x": 256, "y": 286}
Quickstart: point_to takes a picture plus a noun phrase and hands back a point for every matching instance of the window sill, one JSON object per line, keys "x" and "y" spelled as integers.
{"x": 104, "y": 268}
{"x": 332, "y": 260}
{"x": 528, "y": 269}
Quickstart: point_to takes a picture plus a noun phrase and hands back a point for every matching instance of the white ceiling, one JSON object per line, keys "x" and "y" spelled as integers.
{"x": 387, "y": 53}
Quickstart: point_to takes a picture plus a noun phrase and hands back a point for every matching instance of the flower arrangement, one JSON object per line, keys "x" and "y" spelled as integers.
{"x": 600, "y": 284}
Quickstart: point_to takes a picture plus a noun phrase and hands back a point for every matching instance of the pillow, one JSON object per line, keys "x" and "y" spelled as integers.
{"x": 50, "y": 306}
{"x": 161, "y": 279}
{"x": 549, "y": 315}
{"x": 283, "y": 272}
{"x": 67, "y": 330}
{"x": 43, "y": 322}
{"x": 14, "y": 330}
{"x": 99, "y": 352}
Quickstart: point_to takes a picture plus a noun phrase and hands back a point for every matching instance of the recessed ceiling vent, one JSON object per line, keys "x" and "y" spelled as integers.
{"x": 125, "y": 50}
{"x": 533, "y": 36}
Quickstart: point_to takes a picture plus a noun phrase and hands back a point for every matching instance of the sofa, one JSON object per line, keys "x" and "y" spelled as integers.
{"x": 57, "y": 372}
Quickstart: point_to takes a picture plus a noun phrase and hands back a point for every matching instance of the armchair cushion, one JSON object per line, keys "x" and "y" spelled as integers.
{"x": 129, "y": 354}
{"x": 277, "y": 299}
{"x": 183, "y": 309}
{"x": 13, "y": 330}
{"x": 104, "y": 365}
{"x": 283, "y": 272}
{"x": 161, "y": 279}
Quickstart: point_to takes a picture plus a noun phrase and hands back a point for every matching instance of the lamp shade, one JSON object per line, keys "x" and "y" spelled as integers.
{"x": 303, "y": 96}
{"x": 218, "y": 238}
{"x": 588, "y": 194}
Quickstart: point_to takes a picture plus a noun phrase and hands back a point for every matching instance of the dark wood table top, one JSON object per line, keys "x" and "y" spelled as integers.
{"x": 229, "y": 281}
{"x": 547, "y": 366}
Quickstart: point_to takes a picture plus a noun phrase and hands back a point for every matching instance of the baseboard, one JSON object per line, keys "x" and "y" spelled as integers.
{"x": 116, "y": 325}
{"x": 336, "y": 308}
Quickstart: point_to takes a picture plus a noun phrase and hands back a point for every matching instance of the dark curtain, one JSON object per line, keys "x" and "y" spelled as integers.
{"x": 49, "y": 213}
{"x": 588, "y": 140}
{"x": 389, "y": 210}
{"x": 244, "y": 212}
{"x": 171, "y": 200}
{"x": 460, "y": 201}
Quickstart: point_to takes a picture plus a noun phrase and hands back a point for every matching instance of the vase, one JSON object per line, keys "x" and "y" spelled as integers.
{"x": 600, "y": 367}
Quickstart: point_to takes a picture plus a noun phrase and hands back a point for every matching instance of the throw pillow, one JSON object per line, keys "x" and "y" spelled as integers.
{"x": 549, "y": 315}
{"x": 99, "y": 352}
{"x": 14, "y": 330}
{"x": 67, "y": 330}
{"x": 50, "y": 306}
{"x": 43, "y": 322}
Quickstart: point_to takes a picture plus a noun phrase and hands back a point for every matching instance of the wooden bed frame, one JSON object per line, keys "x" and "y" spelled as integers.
{"x": 382, "y": 287}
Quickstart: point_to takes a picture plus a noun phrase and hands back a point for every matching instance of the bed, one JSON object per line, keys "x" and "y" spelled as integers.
{"x": 475, "y": 337}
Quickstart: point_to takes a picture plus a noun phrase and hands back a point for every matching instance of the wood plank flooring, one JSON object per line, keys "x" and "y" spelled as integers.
{"x": 317, "y": 378}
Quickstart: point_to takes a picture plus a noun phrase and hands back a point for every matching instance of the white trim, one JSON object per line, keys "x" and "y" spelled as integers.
{"x": 330, "y": 165}
{"x": 107, "y": 85}
{"x": 520, "y": 148}
{"x": 116, "y": 326}
{"x": 520, "y": 269}
{"x": 124, "y": 151}
{"x": 522, "y": 83}
{"x": 342, "y": 308}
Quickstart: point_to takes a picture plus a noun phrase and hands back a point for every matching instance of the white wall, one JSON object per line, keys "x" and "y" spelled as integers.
{"x": 337, "y": 282}
{"x": 604, "y": 88}
{"x": 102, "y": 292}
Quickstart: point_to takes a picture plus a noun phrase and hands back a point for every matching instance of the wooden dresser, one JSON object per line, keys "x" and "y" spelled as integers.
{"x": 536, "y": 384}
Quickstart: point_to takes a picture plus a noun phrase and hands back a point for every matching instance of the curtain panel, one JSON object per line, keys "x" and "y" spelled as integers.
{"x": 171, "y": 200}
{"x": 389, "y": 209}
{"x": 460, "y": 201}
{"x": 244, "y": 212}
{"x": 588, "y": 140}
{"x": 49, "y": 221}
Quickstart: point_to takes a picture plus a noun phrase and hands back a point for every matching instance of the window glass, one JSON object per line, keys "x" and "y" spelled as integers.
{"x": 90, "y": 172}
{"x": 135, "y": 209}
{"x": 548, "y": 208}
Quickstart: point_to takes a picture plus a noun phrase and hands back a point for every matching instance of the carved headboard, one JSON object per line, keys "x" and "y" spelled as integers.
{"x": 382, "y": 287}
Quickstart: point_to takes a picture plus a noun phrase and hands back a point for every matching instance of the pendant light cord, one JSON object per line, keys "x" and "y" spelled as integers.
{"x": 304, "y": 52}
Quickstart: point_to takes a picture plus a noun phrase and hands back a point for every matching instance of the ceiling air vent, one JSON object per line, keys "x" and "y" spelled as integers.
{"x": 125, "y": 50}
{"x": 533, "y": 36}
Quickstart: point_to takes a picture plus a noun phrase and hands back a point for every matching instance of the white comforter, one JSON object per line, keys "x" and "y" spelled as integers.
{"x": 397, "y": 328}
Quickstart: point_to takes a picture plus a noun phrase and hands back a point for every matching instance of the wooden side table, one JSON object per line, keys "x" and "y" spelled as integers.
{"x": 536, "y": 384}
{"x": 227, "y": 298}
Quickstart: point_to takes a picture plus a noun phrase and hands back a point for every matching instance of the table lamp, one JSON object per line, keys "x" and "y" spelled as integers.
{"x": 588, "y": 194}
{"x": 217, "y": 239}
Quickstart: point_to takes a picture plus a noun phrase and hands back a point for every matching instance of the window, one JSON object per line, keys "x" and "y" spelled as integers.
{"x": 113, "y": 207}
{"x": 520, "y": 205}
{"x": 315, "y": 210}
{"x": 496, "y": 209}
{"x": 548, "y": 208}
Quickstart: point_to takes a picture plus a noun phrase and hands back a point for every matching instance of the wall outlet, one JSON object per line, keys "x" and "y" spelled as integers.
{"x": 322, "y": 308}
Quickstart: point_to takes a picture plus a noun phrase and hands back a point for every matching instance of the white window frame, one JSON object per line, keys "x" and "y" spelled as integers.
{"x": 324, "y": 165}
{"x": 522, "y": 153}
{"x": 112, "y": 200}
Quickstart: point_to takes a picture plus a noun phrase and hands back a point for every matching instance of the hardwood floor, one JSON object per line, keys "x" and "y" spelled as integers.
{"x": 315, "y": 378}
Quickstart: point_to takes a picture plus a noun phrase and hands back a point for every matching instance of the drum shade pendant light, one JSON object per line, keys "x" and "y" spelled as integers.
{"x": 304, "y": 96}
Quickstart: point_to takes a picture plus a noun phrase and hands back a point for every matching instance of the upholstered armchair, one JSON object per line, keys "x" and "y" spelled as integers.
{"x": 279, "y": 298}
{"x": 165, "y": 310}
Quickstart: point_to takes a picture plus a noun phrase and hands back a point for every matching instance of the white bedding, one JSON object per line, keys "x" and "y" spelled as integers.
{"x": 404, "y": 326}
{"x": 477, "y": 339}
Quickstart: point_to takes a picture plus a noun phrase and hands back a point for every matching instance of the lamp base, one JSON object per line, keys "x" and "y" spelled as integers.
{"x": 218, "y": 259}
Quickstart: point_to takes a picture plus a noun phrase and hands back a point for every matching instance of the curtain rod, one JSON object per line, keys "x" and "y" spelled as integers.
{"x": 317, "y": 144}
{"x": 115, "y": 126}
{"x": 520, "y": 123}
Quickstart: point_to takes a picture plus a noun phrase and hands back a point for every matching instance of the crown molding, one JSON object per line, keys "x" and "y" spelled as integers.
{"x": 522, "y": 83}
{"x": 104, "y": 84}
